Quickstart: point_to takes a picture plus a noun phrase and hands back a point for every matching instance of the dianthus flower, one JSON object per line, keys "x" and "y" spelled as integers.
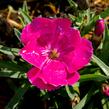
{"x": 99, "y": 27}
{"x": 56, "y": 51}
{"x": 105, "y": 89}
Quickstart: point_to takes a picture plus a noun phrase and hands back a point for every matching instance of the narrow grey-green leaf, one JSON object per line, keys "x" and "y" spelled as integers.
{"x": 25, "y": 7}
{"x": 17, "y": 33}
{"x": 105, "y": 13}
{"x": 25, "y": 15}
{"x": 9, "y": 51}
{"x": 72, "y": 4}
{"x": 93, "y": 77}
{"x": 85, "y": 99}
{"x": 11, "y": 74}
{"x": 105, "y": 46}
{"x": 17, "y": 97}
{"x": 101, "y": 64}
{"x": 90, "y": 25}
{"x": 105, "y": 103}
{"x": 10, "y": 65}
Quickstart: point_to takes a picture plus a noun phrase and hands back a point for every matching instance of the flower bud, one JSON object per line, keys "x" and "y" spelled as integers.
{"x": 99, "y": 27}
{"x": 105, "y": 89}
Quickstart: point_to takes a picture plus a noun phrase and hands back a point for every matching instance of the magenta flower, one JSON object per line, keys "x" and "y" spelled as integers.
{"x": 105, "y": 89}
{"x": 56, "y": 50}
{"x": 99, "y": 27}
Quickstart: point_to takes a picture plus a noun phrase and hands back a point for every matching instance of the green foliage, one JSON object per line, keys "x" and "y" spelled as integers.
{"x": 9, "y": 51}
{"x": 72, "y": 4}
{"x": 25, "y": 19}
{"x": 104, "y": 51}
{"x": 85, "y": 99}
{"x": 17, "y": 96}
{"x": 102, "y": 65}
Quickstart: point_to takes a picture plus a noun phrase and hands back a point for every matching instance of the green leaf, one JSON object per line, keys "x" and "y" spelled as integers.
{"x": 90, "y": 25}
{"x": 17, "y": 33}
{"x": 12, "y": 69}
{"x": 17, "y": 97}
{"x": 9, "y": 51}
{"x": 25, "y": 15}
{"x": 104, "y": 54}
{"x": 72, "y": 91}
{"x": 25, "y": 18}
{"x": 93, "y": 77}
{"x": 70, "y": 94}
{"x": 72, "y": 4}
{"x": 11, "y": 74}
{"x": 25, "y": 7}
{"x": 105, "y": 13}
{"x": 101, "y": 64}
{"x": 22, "y": 22}
{"x": 86, "y": 98}
{"x": 105, "y": 103}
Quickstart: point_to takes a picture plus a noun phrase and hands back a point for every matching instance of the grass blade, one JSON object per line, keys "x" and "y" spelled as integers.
{"x": 101, "y": 64}
{"x": 17, "y": 97}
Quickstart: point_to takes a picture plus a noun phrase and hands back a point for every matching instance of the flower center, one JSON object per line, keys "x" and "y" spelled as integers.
{"x": 54, "y": 54}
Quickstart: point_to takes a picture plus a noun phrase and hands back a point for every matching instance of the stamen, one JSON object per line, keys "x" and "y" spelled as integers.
{"x": 54, "y": 54}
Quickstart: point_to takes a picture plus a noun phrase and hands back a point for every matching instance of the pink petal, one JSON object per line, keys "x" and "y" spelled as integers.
{"x": 41, "y": 85}
{"x": 54, "y": 73}
{"x": 99, "y": 27}
{"x": 63, "y": 33}
{"x": 70, "y": 40}
{"x": 79, "y": 57}
{"x": 41, "y": 23}
{"x": 46, "y": 38}
{"x": 62, "y": 24}
{"x": 67, "y": 40}
{"x": 33, "y": 73}
{"x": 83, "y": 54}
{"x": 32, "y": 53}
{"x": 36, "y": 79}
{"x": 42, "y": 26}
{"x": 26, "y": 34}
{"x": 73, "y": 78}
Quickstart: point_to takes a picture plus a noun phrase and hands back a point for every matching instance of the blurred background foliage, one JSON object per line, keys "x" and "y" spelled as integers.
{"x": 15, "y": 90}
